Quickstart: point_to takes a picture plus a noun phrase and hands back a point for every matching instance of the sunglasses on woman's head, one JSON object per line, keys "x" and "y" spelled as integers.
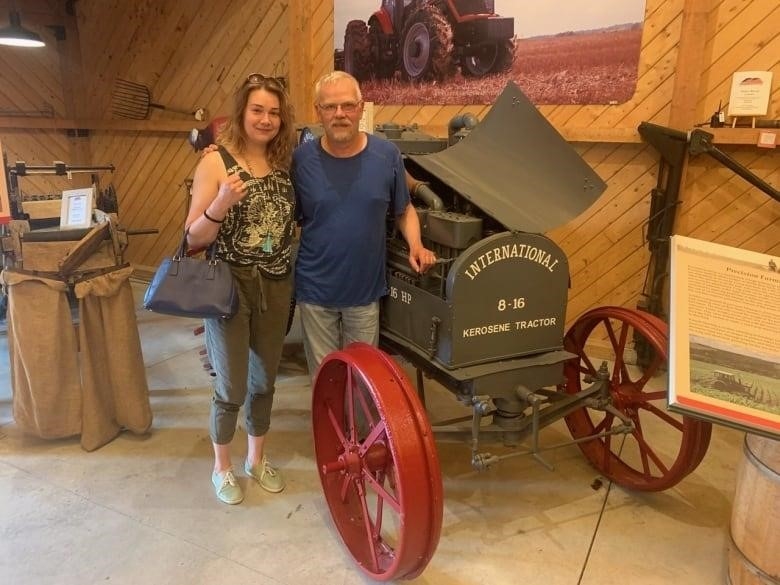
{"x": 259, "y": 79}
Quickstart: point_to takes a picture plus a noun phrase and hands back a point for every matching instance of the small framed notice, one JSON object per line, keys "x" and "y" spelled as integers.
{"x": 367, "y": 119}
{"x": 750, "y": 91}
{"x": 724, "y": 335}
{"x": 76, "y": 210}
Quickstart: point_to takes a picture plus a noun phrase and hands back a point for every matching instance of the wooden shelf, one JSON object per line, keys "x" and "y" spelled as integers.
{"x": 619, "y": 135}
{"x": 624, "y": 135}
{"x": 738, "y": 135}
{"x": 21, "y": 123}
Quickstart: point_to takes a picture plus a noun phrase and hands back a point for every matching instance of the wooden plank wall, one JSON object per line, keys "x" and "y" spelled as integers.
{"x": 194, "y": 53}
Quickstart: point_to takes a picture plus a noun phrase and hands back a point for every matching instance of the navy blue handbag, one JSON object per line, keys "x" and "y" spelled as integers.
{"x": 192, "y": 287}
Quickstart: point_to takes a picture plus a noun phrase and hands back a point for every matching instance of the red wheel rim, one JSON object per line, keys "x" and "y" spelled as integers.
{"x": 704, "y": 428}
{"x": 640, "y": 462}
{"x": 377, "y": 462}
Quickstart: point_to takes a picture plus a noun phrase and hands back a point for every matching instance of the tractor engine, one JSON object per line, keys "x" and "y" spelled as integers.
{"x": 499, "y": 290}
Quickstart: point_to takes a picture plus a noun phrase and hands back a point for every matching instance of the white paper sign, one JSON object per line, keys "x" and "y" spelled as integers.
{"x": 750, "y": 92}
{"x": 76, "y": 210}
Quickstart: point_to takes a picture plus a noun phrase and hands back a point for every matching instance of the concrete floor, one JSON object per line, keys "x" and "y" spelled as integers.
{"x": 143, "y": 510}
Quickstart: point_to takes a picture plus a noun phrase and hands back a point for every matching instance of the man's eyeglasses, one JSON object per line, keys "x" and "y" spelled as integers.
{"x": 346, "y": 107}
{"x": 259, "y": 79}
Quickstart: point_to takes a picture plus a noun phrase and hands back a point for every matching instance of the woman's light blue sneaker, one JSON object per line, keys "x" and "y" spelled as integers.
{"x": 227, "y": 487}
{"x": 268, "y": 477}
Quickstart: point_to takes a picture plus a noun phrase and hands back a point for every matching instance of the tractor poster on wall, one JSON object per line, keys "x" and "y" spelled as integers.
{"x": 464, "y": 51}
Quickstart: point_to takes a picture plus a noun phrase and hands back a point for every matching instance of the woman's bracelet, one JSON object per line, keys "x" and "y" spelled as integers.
{"x": 208, "y": 217}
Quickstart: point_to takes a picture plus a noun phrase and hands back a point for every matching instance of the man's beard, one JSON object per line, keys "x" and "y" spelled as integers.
{"x": 342, "y": 133}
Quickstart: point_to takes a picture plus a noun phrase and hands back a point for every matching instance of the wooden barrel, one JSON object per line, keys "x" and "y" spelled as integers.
{"x": 754, "y": 551}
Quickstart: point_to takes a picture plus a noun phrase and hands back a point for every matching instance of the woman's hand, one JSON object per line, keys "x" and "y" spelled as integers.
{"x": 231, "y": 191}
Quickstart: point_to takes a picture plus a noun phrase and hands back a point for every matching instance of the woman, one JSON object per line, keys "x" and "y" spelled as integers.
{"x": 243, "y": 204}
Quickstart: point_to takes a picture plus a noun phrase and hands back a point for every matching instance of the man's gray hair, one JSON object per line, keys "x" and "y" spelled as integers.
{"x": 333, "y": 77}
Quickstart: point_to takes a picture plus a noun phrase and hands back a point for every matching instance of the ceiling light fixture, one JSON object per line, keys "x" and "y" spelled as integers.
{"x": 16, "y": 35}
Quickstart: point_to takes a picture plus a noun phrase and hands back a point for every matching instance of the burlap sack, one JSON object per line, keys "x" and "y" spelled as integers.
{"x": 115, "y": 395}
{"x": 43, "y": 356}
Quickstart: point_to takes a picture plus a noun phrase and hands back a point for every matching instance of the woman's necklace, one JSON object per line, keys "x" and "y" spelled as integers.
{"x": 262, "y": 167}
{"x": 268, "y": 243}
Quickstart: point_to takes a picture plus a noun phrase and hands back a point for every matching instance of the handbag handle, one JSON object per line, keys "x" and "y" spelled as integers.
{"x": 181, "y": 251}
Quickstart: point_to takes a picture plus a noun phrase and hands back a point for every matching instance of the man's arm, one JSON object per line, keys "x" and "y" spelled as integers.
{"x": 420, "y": 258}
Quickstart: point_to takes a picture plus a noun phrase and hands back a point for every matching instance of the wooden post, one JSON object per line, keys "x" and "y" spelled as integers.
{"x": 690, "y": 64}
{"x": 301, "y": 64}
{"x": 73, "y": 89}
{"x": 687, "y": 81}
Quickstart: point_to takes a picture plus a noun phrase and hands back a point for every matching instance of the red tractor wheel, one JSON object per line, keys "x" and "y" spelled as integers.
{"x": 639, "y": 462}
{"x": 377, "y": 462}
{"x": 357, "y": 50}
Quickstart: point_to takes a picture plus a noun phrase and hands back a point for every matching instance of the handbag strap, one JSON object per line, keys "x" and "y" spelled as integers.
{"x": 181, "y": 251}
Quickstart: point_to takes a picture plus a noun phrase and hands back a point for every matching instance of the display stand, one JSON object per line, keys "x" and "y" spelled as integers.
{"x": 735, "y": 119}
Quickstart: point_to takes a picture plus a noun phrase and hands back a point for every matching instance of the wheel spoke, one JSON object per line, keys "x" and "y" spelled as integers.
{"x": 646, "y": 451}
{"x": 366, "y": 410}
{"x": 350, "y": 398}
{"x": 380, "y": 503}
{"x": 368, "y": 442}
{"x": 643, "y": 398}
{"x": 586, "y": 366}
{"x": 606, "y": 423}
{"x": 382, "y": 493}
{"x": 620, "y": 352}
{"x": 336, "y": 427}
{"x": 665, "y": 416}
{"x": 368, "y": 527}
{"x": 345, "y": 483}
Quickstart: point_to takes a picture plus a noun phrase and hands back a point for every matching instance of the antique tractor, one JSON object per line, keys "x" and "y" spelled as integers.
{"x": 729, "y": 382}
{"x": 428, "y": 39}
{"x": 487, "y": 323}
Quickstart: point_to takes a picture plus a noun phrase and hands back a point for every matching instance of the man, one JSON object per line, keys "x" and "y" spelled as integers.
{"x": 346, "y": 184}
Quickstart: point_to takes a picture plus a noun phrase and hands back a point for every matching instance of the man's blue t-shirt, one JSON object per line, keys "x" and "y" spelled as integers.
{"x": 343, "y": 206}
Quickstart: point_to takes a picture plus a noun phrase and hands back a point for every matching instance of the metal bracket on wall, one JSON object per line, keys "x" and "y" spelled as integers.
{"x": 701, "y": 143}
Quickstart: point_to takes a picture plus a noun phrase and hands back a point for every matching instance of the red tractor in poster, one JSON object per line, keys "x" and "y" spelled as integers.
{"x": 429, "y": 39}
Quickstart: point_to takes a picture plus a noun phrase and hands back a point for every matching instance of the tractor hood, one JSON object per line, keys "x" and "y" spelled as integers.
{"x": 517, "y": 168}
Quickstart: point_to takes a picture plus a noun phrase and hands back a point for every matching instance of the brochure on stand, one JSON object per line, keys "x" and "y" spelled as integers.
{"x": 750, "y": 92}
{"x": 724, "y": 335}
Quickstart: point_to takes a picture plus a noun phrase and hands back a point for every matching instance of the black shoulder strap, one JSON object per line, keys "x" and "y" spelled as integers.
{"x": 227, "y": 158}
{"x": 230, "y": 161}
